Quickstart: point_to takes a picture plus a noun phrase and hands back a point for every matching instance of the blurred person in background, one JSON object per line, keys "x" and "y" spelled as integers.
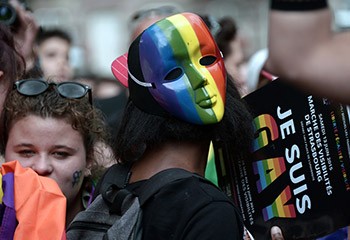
{"x": 149, "y": 14}
{"x": 230, "y": 43}
{"x": 305, "y": 51}
{"x": 46, "y": 52}
{"x": 53, "y": 47}
{"x": 12, "y": 64}
{"x": 19, "y": 18}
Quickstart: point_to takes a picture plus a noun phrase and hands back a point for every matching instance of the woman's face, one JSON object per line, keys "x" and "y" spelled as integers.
{"x": 235, "y": 65}
{"x": 52, "y": 148}
{"x": 54, "y": 59}
{"x": 180, "y": 58}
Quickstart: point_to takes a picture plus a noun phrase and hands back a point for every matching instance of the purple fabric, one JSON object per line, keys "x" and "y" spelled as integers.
{"x": 9, "y": 222}
{"x": 340, "y": 234}
{"x": 8, "y": 189}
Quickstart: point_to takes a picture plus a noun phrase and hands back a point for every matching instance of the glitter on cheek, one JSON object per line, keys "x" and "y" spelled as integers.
{"x": 76, "y": 177}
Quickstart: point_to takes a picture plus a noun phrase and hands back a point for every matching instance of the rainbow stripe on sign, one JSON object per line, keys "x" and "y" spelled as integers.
{"x": 262, "y": 122}
{"x": 269, "y": 170}
{"x": 279, "y": 208}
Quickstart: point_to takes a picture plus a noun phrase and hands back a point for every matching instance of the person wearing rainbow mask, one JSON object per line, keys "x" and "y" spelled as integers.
{"x": 180, "y": 101}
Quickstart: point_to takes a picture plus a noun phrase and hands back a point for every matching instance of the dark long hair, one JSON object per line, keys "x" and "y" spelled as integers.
{"x": 11, "y": 62}
{"x": 224, "y": 31}
{"x": 140, "y": 130}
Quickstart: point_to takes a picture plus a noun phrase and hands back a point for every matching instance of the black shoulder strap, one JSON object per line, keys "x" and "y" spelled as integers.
{"x": 116, "y": 175}
{"x": 156, "y": 182}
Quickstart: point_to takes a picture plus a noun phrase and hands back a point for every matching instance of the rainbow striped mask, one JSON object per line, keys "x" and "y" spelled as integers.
{"x": 179, "y": 63}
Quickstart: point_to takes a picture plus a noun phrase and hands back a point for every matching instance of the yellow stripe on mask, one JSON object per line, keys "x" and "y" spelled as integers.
{"x": 190, "y": 38}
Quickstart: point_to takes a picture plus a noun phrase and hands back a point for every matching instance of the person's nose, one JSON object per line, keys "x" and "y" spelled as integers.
{"x": 42, "y": 165}
{"x": 62, "y": 61}
{"x": 198, "y": 79}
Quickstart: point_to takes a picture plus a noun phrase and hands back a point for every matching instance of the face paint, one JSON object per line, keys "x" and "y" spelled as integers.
{"x": 76, "y": 177}
{"x": 180, "y": 58}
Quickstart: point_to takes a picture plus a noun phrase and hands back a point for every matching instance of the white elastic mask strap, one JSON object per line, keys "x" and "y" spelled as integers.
{"x": 143, "y": 84}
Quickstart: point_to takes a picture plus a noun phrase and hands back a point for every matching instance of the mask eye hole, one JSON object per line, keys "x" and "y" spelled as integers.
{"x": 207, "y": 60}
{"x": 174, "y": 74}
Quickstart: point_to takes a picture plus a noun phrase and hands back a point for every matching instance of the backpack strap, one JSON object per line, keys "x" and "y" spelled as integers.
{"x": 117, "y": 175}
{"x": 112, "y": 186}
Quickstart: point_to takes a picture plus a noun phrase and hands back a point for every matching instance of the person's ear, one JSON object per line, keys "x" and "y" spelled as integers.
{"x": 1, "y": 73}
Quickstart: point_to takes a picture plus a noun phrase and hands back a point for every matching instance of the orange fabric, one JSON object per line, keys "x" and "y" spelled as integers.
{"x": 39, "y": 203}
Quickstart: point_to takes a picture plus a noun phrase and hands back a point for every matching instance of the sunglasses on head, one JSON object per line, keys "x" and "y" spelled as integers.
{"x": 70, "y": 90}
